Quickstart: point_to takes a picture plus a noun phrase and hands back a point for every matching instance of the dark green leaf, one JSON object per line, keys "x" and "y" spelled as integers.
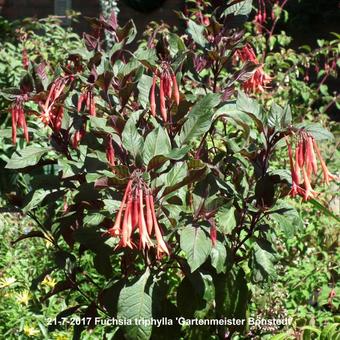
{"x": 174, "y": 154}
{"x": 275, "y": 116}
{"x": 250, "y": 107}
{"x": 286, "y": 117}
{"x": 33, "y": 199}
{"x": 102, "y": 264}
{"x": 197, "y": 32}
{"x": 26, "y": 157}
{"x": 199, "y": 118}
{"x": 193, "y": 286}
{"x": 132, "y": 140}
{"x": 225, "y": 219}
{"x": 135, "y": 303}
{"x": 196, "y": 245}
{"x": 156, "y": 143}
{"x": 144, "y": 86}
{"x": 241, "y": 7}
{"x": 30, "y": 234}
{"x": 232, "y": 297}
{"x": 218, "y": 257}
{"x": 264, "y": 266}
{"x": 127, "y": 33}
{"x": 93, "y": 219}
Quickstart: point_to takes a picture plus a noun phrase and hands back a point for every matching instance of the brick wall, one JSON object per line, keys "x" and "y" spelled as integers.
{"x": 18, "y": 9}
{"x": 164, "y": 13}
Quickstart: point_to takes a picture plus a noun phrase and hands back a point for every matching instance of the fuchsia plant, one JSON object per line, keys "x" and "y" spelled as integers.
{"x": 162, "y": 172}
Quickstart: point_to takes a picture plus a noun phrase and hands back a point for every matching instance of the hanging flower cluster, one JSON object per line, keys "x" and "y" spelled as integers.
{"x": 305, "y": 162}
{"x": 262, "y": 13}
{"x": 168, "y": 89}
{"x": 259, "y": 79}
{"x": 18, "y": 118}
{"x": 137, "y": 212}
{"x": 52, "y": 108}
{"x": 79, "y": 133}
{"x": 56, "y": 117}
{"x": 48, "y": 108}
{"x": 87, "y": 97}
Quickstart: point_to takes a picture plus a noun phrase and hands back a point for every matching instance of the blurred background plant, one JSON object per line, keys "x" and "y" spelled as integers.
{"x": 39, "y": 40}
{"x": 304, "y": 76}
{"x": 21, "y": 42}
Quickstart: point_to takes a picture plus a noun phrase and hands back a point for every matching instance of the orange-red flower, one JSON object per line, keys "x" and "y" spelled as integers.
{"x": 18, "y": 119}
{"x": 327, "y": 176}
{"x": 87, "y": 97}
{"x": 306, "y": 162}
{"x": 79, "y": 135}
{"x": 139, "y": 214}
{"x": 168, "y": 90}
{"x": 213, "y": 233}
{"x": 259, "y": 79}
{"x": 54, "y": 94}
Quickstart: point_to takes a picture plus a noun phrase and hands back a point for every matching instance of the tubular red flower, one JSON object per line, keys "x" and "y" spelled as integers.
{"x": 293, "y": 170}
{"x": 168, "y": 89}
{"x": 167, "y": 84}
{"x": 132, "y": 207}
{"x": 56, "y": 118}
{"x": 18, "y": 120}
{"x": 310, "y": 159}
{"x": 92, "y": 108}
{"x": 308, "y": 191}
{"x": 80, "y": 102}
{"x": 313, "y": 158}
{"x": 213, "y": 234}
{"x": 327, "y": 176}
{"x": 110, "y": 152}
{"x": 161, "y": 245}
{"x": 88, "y": 100}
{"x": 259, "y": 79}
{"x": 176, "y": 90}
{"x": 77, "y": 137}
{"x": 297, "y": 167}
{"x": 126, "y": 229}
{"x": 14, "y": 112}
{"x": 115, "y": 230}
{"x": 135, "y": 216}
{"x": 149, "y": 220}
{"x": 301, "y": 160}
{"x": 87, "y": 97}
{"x": 152, "y": 96}
{"x": 162, "y": 100}
{"x": 55, "y": 92}
{"x": 144, "y": 239}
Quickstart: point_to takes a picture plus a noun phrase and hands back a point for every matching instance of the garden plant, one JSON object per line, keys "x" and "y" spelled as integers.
{"x": 168, "y": 180}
